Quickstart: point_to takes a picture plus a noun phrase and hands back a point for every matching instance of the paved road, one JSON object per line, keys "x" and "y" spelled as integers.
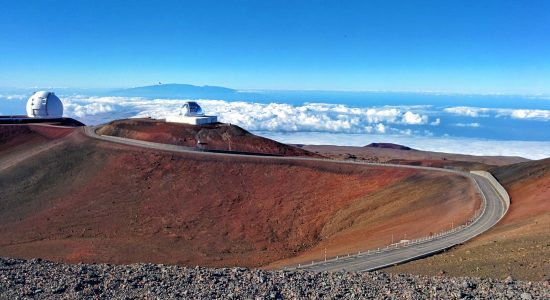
{"x": 493, "y": 210}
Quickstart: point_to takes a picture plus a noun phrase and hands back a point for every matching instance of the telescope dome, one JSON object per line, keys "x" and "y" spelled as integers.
{"x": 191, "y": 109}
{"x": 45, "y": 105}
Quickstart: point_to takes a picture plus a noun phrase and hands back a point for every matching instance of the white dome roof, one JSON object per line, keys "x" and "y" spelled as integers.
{"x": 44, "y": 105}
{"x": 191, "y": 109}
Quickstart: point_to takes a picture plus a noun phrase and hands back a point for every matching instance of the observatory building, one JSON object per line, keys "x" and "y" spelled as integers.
{"x": 192, "y": 113}
{"x": 44, "y": 105}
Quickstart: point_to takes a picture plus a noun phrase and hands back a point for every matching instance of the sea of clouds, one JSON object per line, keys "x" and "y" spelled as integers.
{"x": 447, "y": 144}
{"x": 339, "y": 124}
{"x": 425, "y": 127}
{"x": 278, "y": 117}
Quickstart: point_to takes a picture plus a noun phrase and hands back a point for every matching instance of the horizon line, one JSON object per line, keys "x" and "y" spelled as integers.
{"x": 251, "y": 90}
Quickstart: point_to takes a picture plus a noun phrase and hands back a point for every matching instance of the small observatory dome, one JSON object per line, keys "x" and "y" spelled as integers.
{"x": 44, "y": 105}
{"x": 191, "y": 109}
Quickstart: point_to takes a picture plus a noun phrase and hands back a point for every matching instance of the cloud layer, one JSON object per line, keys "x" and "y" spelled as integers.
{"x": 423, "y": 127}
{"x": 532, "y": 114}
{"x": 258, "y": 116}
{"x": 471, "y": 146}
{"x": 473, "y": 125}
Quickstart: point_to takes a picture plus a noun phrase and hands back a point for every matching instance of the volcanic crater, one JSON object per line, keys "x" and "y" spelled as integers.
{"x": 67, "y": 197}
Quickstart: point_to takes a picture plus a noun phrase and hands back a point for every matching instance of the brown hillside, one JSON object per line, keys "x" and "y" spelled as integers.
{"x": 216, "y": 136}
{"x": 519, "y": 245}
{"x": 19, "y": 142}
{"x": 397, "y": 154}
{"x": 94, "y": 201}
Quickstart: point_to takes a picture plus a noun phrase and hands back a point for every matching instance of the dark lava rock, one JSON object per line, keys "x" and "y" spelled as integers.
{"x": 49, "y": 280}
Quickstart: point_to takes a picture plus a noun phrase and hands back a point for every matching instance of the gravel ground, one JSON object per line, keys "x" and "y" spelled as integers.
{"x": 39, "y": 279}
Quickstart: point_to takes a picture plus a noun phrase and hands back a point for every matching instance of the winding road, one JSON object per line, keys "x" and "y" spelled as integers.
{"x": 494, "y": 207}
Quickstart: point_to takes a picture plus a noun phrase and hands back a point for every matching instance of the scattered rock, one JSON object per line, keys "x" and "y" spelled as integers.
{"x": 47, "y": 280}
{"x": 467, "y": 285}
{"x": 526, "y": 296}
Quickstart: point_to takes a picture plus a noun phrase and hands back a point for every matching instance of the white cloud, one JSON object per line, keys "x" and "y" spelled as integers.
{"x": 468, "y": 111}
{"x": 13, "y": 96}
{"x": 474, "y": 125}
{"x": 428, "y": 133}
{"x": 414, "y": 119}
{"x": 90, "y": 109}
{"x": 522, "y": 114}
{"x": 436, "y": 122}
{"x": 408, "y": 132}
{"x": 381, "y": 128}
{"x": 375, "y": 115}
{"x": 530, "y": 114}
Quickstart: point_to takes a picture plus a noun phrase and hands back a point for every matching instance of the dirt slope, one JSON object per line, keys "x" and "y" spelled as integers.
{"x": 216, "y": 136}
{"x": 19, "y": 142}
{"x": 93, "y": 201}
{"x": 391, "y": 153}
{"x": 519, "y": 245}
{"x": 419, "y": 204}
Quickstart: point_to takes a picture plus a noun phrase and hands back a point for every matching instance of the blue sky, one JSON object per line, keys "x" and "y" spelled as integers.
{"x": 459, "y": 46}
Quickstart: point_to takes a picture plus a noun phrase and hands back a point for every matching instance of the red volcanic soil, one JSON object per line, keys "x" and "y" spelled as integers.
{"x": 216, "y": 136}
{"x": 19, "y": 142}
{"x": 14, "y": 134}
{"x": 529, "y": 187}
{"x": 420, "y": 205}
{"x": 95, "y": 201}
{"x": 518, "y": 245}
{"x": 391, "y": 153}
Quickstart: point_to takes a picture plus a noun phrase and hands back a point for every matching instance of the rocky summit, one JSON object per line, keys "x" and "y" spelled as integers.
{"x": 39, "y": 279}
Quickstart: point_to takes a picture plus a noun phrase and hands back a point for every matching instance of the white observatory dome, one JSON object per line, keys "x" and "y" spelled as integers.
{"x": 191, "y": 109}
{"x": 192, "y": 113}
{"x": 44, "y": 105}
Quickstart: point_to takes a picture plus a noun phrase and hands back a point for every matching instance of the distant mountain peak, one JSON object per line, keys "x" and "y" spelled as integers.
{"x": 388, "y": 146}
{"x": 178, "y": 90}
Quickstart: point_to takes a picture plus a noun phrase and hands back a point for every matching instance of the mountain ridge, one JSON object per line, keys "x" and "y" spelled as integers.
{"x": 181, "y": 90}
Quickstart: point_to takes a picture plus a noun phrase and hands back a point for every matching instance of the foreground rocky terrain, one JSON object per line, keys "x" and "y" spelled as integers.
{"x": 37, "y": 279}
